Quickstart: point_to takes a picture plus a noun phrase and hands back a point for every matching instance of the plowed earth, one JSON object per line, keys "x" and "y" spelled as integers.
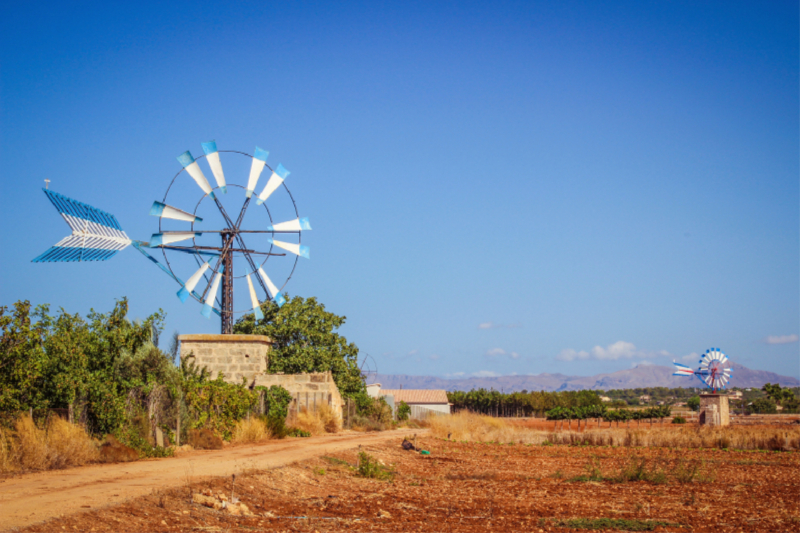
{"x": 479, "y": 487}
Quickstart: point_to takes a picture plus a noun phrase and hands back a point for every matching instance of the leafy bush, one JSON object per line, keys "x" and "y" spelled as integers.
{"x": 369, "y": 467}
{"x": 278, "y": 400}
{"x": 678, "y": 420}
{"x": 297, "y": 432}
{"x": 403, "y": 411}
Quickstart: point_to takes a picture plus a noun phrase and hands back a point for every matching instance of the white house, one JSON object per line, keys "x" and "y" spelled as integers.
{"x": 421, "y": 401}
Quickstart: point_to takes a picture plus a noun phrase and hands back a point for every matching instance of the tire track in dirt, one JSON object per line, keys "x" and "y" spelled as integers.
{"x": 32, "y": 498}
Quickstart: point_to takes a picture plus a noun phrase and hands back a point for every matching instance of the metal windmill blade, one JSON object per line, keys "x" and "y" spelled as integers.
{"x": 97, "y": 236}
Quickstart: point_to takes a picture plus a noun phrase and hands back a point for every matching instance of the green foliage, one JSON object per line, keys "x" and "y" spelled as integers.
{"x": 621, "y": 524}
{"x": 640, "y": 469}
{"x": 66, "y": 361}
{"x": 369, "y": 467}
{"x": 765, "y": 405}
{"x": 493, "y": 402}
{"x": 593, "y": 472}
{"x": 678, "y": 420}
{"x": 306, "y": 341}
{"x": 278, "y": 400}
{"x": 403, "y": 411}
{"x": 217, "y": 405}
{"x": 297, "y": 432}
{"x": 782, "y": 396}
{"x": 693, "y": 403}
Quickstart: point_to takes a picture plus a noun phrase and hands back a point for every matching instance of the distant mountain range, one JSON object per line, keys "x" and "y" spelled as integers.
{"x": 638, "y": 377}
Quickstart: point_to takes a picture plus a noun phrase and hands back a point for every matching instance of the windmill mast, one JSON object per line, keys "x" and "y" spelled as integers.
{"x": 227, "y": 285}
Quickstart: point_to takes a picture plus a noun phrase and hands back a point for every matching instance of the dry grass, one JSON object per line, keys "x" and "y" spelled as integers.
{"x": 69, "y": 445}
{"x": 32, "y": 450}
{"x": 28, "y": 447}
{"x": 308, "y": 421}
{"x": 323, "y": 420}
{"x": 7, "y": 451}
{"x": 330, "y": 420}
{"x": 250, "y": 430}
{"x": 467, "y": 426}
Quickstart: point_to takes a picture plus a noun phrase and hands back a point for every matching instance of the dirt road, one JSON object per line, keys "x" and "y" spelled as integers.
{"x": 33, "y": 498}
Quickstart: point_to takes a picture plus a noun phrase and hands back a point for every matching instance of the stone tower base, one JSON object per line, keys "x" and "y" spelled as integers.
{"x": 247, "y": 356}
{"x": 714, "y": 410}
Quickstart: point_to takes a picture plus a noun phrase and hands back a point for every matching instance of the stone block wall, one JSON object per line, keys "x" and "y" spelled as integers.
{"x": 308, "y": 390}
{"x": 238, "y": 356}
{"x": 714, "y": 410}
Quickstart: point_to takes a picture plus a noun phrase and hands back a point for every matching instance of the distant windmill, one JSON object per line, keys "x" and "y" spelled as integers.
{"x": 98, "y": 236}
{"x": 714, "y": 370}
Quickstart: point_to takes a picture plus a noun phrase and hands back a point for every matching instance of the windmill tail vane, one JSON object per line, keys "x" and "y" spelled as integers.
{"x": 98, "y": 236}
{"x": 714, "y": 370}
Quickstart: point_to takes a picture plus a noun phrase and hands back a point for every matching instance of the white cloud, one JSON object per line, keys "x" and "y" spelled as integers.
{"x": 492, "y": 325}
{"x": 497, "y": 352}
{"x": 454, "y": 375}
{"x": 433, "y": 357}
{"x": 612, "y": 352}
{"x": 781, "y": 339}
{"x": 484, "y": 374}
{"x": 413, "y": 353}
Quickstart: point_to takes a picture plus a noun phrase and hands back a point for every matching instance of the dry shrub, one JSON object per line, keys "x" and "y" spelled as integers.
{"x": 250, "y": 430}
{"x": 330, "y": 420}
{"x": 204, "y": 439}
{"x": 473, "y": 427}
{"x": 113, "y": 451}
{"x": 8, "y": 451}
{"x": 69, "y": 445}
{"x": 32, "y": 451}
{"x": 309, "y": 421}
{"x": 28, "y": 447}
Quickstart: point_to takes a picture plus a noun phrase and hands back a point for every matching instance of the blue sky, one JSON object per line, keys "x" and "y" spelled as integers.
{"x": 494, "y": 188}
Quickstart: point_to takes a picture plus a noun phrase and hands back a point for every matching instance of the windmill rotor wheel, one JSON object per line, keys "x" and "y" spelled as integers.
{"x": 235, "y": 234}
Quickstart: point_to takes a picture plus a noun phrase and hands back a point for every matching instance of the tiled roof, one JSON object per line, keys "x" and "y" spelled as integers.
{"x": 411, "y": 396}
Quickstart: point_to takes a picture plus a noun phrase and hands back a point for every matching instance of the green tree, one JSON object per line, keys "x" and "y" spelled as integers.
{"x": 779, "y": 395}
{"x": 765, "y": 405}
{"x": 693, "y": 403}
{"x": 403, "y": 411}
{"x": 305, "y": 340}
{"x": 23, "y": 362}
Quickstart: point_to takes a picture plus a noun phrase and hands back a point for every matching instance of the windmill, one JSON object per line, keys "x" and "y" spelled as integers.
{"x": 218, "y": 256}
{"x": 715, "y": 370}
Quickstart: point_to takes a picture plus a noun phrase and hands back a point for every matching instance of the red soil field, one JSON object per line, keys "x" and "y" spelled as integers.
{"x": 466, "y": 487}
